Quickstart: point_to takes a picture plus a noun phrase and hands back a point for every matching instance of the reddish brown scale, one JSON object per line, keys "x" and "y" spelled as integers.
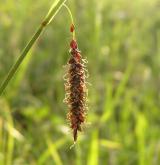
{"x": 72, "y": 28}
{"x": 73, "y": 46}
{"x": 76, "y": 89}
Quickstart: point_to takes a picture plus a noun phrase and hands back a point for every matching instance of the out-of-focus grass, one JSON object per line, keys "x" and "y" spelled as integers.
{"x": 94, "y": 149}
{"x": 121, "y": 42}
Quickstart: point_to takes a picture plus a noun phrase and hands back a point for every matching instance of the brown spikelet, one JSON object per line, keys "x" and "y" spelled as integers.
{"x": 72, "y": 28}
{"x": 75, "y": 87}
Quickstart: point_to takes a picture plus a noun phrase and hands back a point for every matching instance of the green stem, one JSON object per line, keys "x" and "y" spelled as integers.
{"x": 51, "y": 14}
{"x": 72, "y": 20}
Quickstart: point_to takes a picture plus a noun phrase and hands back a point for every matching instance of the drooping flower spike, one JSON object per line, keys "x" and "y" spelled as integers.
{"x": 75, "y": 86}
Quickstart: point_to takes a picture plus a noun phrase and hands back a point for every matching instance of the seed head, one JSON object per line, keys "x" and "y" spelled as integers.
{"x": 76, "y": 91}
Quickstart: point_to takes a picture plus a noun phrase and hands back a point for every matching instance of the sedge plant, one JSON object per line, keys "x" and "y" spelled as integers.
{"x": 75, "y": 86}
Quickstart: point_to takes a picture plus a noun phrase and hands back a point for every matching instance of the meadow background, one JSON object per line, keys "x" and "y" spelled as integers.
{"x": 121, "y": 41}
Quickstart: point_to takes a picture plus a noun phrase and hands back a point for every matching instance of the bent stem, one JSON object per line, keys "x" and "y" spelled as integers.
{"x": 49, "y": 17}
{"x": 72, "y": 20}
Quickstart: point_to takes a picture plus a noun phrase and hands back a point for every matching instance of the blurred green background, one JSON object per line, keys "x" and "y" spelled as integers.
{"x": 121, "y": 41}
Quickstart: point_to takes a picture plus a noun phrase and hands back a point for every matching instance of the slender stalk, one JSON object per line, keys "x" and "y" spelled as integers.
{"x": 71, "y": 17}
{"x": 49, "y": 17}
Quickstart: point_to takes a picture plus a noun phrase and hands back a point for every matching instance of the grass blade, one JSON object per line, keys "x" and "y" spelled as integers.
{"x": 94, "y": 149}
